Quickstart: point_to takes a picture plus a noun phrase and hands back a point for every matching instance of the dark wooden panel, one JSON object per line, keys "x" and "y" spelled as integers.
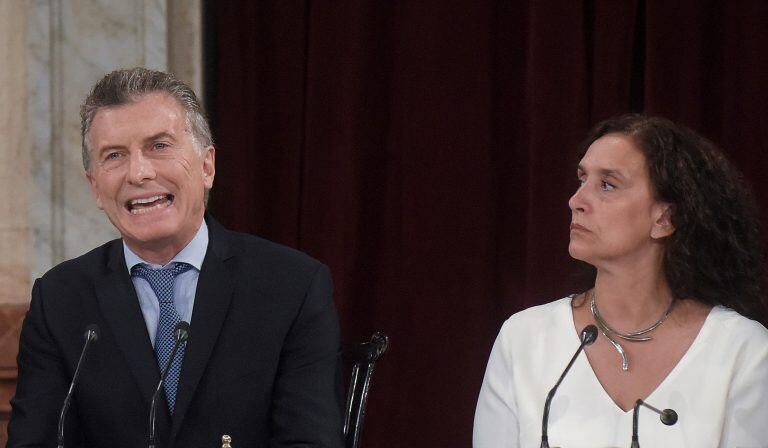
{"x": 11, "y": 317}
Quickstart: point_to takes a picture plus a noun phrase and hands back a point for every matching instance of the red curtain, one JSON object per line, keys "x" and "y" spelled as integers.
{"x": 425, "y": 151}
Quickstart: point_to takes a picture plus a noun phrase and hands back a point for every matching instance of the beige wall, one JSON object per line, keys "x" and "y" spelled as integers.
{"x": 15, "y": 241}
{"x": 52, "y": 53}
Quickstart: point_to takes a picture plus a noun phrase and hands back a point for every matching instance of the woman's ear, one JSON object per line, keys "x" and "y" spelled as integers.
{"x": 662, "y": 226}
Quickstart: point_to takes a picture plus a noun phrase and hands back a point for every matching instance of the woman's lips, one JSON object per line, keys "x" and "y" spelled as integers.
{"x": 578, "y": 227}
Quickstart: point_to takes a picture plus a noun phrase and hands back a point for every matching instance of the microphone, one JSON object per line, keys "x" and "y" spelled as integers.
{"x": 91, "y": 335}
{"x": 180, "y": 335}
{"x": 588, "y": 336}
{"x": 667, "y": 416}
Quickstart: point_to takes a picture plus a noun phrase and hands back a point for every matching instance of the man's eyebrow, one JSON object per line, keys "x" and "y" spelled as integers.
{"x": 159, "y": 136}
{"x": 151, "y": 138}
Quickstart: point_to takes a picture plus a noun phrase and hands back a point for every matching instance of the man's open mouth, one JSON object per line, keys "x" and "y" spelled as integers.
{"x": 146, "y": 205}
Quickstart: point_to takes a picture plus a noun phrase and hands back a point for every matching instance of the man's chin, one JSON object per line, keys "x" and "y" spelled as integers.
{"x": 154, "y": 239}
{"x": 149, "y": 232}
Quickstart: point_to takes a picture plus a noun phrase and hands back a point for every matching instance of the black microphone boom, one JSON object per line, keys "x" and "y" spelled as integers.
{"x": 588, "y": 336}
{"x": 180, "y": 335}
{"x": 91, "y": 334}
{"x": 667, "y": 416}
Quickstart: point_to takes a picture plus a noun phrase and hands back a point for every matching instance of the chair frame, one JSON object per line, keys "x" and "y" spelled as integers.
{"x": 364, "y": 357}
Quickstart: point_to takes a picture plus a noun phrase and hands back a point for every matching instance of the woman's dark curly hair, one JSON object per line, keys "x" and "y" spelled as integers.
{"x": 715, "y": 255}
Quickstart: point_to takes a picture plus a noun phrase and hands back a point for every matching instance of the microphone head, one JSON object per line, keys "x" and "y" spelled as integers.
{"x": 589, "y": 335}
{"x": 668, "y": 417}
{"x": 92, "y": 332}
{"x": 181, "y": 331}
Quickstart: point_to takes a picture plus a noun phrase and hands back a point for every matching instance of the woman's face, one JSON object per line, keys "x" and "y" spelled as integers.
{"x": 615, "y": 216}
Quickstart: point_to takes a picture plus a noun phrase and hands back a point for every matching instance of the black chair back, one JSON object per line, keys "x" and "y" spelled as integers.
{"x": 363, "y": 358}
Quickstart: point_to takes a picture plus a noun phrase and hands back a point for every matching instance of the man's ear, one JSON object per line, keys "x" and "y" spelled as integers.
{"x": 662, "y": 226}
{"x": 209, "y": 167}
{"x": 94, "y": 189}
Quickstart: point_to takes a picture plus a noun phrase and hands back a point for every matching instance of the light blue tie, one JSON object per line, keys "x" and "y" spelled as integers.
{"x": 161, "y": 281}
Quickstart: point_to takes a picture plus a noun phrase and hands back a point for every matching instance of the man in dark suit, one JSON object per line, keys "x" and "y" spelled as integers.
{"x": 260, "y": 364}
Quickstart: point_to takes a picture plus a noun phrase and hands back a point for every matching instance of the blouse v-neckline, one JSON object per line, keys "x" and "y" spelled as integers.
{"x": 680, "y": 365}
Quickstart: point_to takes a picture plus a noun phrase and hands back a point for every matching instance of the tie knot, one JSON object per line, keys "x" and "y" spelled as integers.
{"x": 141, "y": 270}
{"x": 161, "y": 280}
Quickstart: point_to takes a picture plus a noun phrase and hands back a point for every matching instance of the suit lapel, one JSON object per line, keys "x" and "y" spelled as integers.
{"x": 212, "y": 298}
{"x": 120, "y": 306}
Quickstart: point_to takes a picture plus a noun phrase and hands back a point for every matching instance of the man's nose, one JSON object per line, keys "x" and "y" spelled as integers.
{"x": 140, "y": 168}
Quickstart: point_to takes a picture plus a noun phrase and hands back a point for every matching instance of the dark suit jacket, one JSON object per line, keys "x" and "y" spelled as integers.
{"x": 260, "y": 364}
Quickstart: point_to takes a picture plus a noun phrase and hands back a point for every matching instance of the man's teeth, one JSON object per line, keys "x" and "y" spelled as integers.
{"x": 139, "y": 206}
{"x": 138, "y": 211}
{"x": 147, "y": 200}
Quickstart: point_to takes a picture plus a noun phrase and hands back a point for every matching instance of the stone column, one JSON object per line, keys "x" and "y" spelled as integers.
{"x": 15, "y": 241}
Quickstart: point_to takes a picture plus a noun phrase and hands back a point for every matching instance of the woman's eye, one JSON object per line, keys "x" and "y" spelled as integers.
{"x": 607, "y": 186}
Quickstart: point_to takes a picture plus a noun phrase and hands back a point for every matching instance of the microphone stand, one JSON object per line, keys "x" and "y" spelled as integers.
{"x": 180, "y": 334}
{"x": 588, "y": 336}
{"x": 91, "y": 334}
{"x": 667, "y": 416}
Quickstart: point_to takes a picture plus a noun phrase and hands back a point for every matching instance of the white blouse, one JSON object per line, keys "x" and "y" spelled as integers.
{"x": 719, "y": 388}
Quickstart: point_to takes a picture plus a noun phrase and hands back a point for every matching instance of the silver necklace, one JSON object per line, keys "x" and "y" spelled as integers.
{"x": 635, "y": 336}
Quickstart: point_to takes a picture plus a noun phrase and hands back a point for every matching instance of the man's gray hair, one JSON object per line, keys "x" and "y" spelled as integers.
{"x": 128, "y": 85}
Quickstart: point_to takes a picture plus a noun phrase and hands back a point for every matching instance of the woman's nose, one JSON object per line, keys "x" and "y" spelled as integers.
{"x": 577, "y": 202}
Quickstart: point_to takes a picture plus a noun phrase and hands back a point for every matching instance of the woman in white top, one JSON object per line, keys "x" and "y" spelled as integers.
{"x": 671, "y": 230}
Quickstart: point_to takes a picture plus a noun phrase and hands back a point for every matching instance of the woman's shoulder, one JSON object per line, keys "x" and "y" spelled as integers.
{"x": 548, "y": 327}
{"x": 737, "y": 328}
{"x": 548, "y": 315}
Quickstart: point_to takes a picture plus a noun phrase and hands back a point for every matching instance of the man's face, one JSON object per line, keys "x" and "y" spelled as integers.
{"x": 146, "y": 173}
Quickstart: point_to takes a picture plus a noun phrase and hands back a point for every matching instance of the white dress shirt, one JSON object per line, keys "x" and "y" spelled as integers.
{"x": 719, "y": 388}
{"x": 184, "y": 285}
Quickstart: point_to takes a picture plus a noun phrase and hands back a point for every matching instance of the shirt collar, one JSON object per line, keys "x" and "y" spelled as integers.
{"x": 193, "y": 253}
